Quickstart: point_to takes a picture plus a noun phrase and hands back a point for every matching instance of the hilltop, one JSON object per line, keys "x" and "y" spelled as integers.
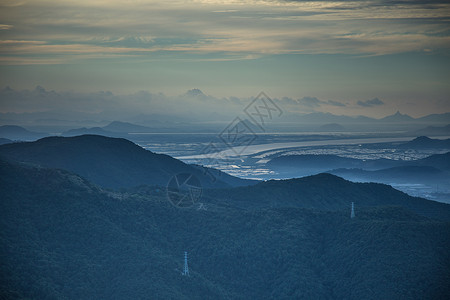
{"x": 110, "y": 162}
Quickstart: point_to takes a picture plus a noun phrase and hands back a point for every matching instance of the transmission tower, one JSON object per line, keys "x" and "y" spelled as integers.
{"x": 186, "y": 268}
{"x": 352, "y": 214}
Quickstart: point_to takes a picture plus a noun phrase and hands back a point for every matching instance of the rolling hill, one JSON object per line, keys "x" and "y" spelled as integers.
{"x": 326, "y": 192}
{"x": 63, "y": 237}
{"x": 110, "y": 162}
{"x": 13, "y": 132}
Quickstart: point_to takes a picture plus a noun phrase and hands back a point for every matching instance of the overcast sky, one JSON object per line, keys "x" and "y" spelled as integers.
{"x": 352, "y": 57}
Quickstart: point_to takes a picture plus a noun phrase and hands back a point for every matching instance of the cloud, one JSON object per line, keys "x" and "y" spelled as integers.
{"x": 370, "y": 103}
{"x": 194, "y": 104}
{"x": 5, "y": 27}
{"x": 311, "y": 102}
{"x": 85, "y": 30}
{"x": 105, "y": 105}
{"x": 335, "y": 103}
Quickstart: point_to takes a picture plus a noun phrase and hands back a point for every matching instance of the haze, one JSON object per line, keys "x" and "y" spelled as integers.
{"x": 345, "y": 57}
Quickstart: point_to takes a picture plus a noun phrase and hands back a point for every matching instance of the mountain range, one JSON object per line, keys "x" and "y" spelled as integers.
{"x": 63, "y": 237}
{"x": 131, "y": 131}
{"x": 431, "y": 125}
{"x": 125, "y": 127}
{"x": 113, "y": 129}
{"x": 319, "y": 117}
{"x": 310, "y": 163}
{"x": 428, "y": 177}
{"x": 433, "y": 170}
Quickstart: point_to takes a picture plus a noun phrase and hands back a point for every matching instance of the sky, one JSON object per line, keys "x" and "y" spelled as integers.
{"x": 344, "y": 57}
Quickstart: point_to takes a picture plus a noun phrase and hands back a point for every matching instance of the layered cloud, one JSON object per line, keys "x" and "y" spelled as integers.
{"x": 193, "y": 105}
{"x": 312, "y": 103}
{"x": 50, "y": 31}
{"x": 371, "y": 102}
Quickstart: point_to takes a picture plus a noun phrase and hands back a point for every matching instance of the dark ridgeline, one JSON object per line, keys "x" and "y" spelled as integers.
{"x": 63, "y": 237}
{"x": 111, "y": 162}
{"x": 326, "y": 192}
{"x": 13, "y": 132}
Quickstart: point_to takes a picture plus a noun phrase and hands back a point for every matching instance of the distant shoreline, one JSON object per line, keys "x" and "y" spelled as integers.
{"x": 254, "y": 149}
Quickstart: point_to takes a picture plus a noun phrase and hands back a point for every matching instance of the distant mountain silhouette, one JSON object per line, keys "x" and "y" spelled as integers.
{"x": 110, "y": 162}
{"x": 125, "y": 127}
{"x": 429, "y": 172}
{"x": 311, "y": 161}
{"x": 117, "y": 129}
{"x": 424, "y": 142}
{"x": 324, "y": 118}
{"x": 329, "y": 161}
{"x": 58, "y": 122}
{"x": 397, "y": 118}
{"x": 17, "y": 133}
{"x": 331, "y": 127}
{"x": 91, "y": 130}
{"x": 403, "y": 174}
{"x": 432, "y": 131}
{"x": 349, "y": 121}
{"x": 435, "y": 118}
{"x": 308, "y": 164}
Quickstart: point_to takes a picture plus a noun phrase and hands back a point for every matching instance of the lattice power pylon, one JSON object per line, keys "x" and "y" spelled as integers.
{"x": 185, "y": 268}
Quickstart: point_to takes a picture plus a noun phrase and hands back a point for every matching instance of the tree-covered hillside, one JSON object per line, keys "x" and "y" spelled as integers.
{"x": 63, "y": 238}
{"x": 111, "y": 162}
{"x": 325, "y": 192}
